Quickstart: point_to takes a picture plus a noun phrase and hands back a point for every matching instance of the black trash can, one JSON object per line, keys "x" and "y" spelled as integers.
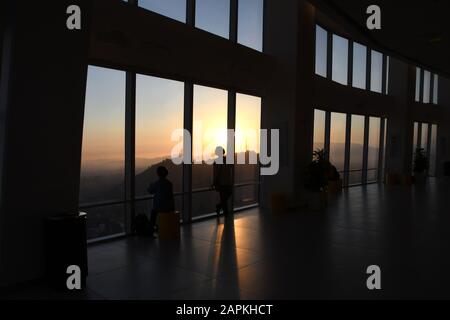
{"x": 447, "y": 169}
{"x": 65, "y": 246}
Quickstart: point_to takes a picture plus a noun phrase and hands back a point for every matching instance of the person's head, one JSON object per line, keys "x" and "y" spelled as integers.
{"x": 162, "y": 172}
{"x": 220, "y": 152}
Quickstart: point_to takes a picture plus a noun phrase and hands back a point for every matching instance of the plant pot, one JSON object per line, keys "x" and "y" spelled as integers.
{"x": 278, "y": 203}
{"x": 335, "y": 187}
{"x": 420, "y": 178}
{"x": 317, "y": 201}
{"x": 407, "y": 180}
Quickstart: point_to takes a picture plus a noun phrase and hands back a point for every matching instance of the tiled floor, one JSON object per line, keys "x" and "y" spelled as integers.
{"x": 298, "y": 255}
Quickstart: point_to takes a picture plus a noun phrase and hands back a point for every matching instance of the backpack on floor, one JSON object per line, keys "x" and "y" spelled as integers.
{"x": 141, "y": 225}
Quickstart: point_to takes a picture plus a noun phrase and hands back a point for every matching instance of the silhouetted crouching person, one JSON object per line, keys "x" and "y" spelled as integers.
{"x": 222, "y": 181}
{"x": 163, "y": 200}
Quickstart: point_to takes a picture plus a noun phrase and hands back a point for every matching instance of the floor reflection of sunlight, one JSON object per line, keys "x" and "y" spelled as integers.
{"x": 224, "y": 255}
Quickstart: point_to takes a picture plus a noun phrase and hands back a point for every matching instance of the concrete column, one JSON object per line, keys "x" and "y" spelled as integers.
{"x": 400, "y": 121}
{"x": 289, "y": 37}
{"x": 43, "y": 112}
{"x": 443, "y": 139}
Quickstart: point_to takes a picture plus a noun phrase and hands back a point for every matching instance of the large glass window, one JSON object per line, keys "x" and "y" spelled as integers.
{"x": 213, "y": 16}
{"x": 373, "y": 149}
{"x": 337, "y": 140}
{"x": 247, "y": 146}
{"x": 387, "y": 75}
{"x": 319, "y": 129}
{"x": 250, "y": 23}
{"x": 415, "y": 139}
{"x": 424, "y": 137}
{"x": 359, "y": 65}
{"x": 175, "y": 9}
{"x": 340, "y": 60}
{"x": 321, "y": 51}
{"x": 383, "y": 159}
{"x": 103, "y": 152}
{"x": 426, "y": 86}
{"x": 435, "y": 89}
{"x": 159, "y": 112}
{"x": 418, "y": 77}
{"x": 210, "y": 131}
{"x": 376, "y": 71}
{"x": 356, "y": 150}
{"x": 433, "y": 147}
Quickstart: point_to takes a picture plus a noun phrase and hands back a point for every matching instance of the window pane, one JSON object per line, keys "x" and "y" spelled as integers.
{"x": 387, "y": 75}
{"x": 415, "y": 137}
{"x": 210, "y": 131}
{"x": 213, "y": 16}
{"x": 383, "y": 164}
{"x": 105, "y": 221}
{"x": 245, "y": 196}
{"x": 426, "y": 86}
{"x": 436, "y": 89}
{"x": 418, "y": 84}
{"x": 359, "y": 65}
{"x": 204, "y": 203}
{"x": 250, "y": 23}
{"x": 424, "y": 137}
{"x": 356, "y": 150}
{"x": 373, "y": 148}
{"x": 337, "y": 140}
{"x": 175, "y": 9}
{"x": 102, "y": 164}
{"x": 319, "y": 129}
{"x": 340, "y": 59}
{"x": 376, "y": 76}
{"x": 247, "y": 136}
{"x": 433, "y": 146}
{"x": 159, "y": 112}
{"x": 321, "y": 51}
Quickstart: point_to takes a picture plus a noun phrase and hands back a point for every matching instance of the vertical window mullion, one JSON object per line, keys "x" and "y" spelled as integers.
{"x": 234, "y": 11}
{"x": 130, "y": 145}
{"x": 368, "y": 69}
{"x": 350, "y": 63}
{"x": 365, "y": 149}
{"x": 329, "y": 55}
{"x": 190, "y": 13}
{"x": 381, "y": 149}
{"x": 429, "y": 133}
{"x": 187, "y": 147}
{"x": 421, "y": 85}
{"x": 327, "y": 134}
{"x": 347, "y": 149}
{"x": 231, "y": 125}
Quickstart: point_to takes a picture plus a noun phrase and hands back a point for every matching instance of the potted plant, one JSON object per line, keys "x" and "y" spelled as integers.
{"x": 316, "y": 180}
{"x": 334, "y": 180}
{"x": 420, "y": 166}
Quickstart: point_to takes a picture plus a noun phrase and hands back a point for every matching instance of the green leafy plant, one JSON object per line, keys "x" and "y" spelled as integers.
{"x": 420, "y": 161}
{"x": 316, "y": 177}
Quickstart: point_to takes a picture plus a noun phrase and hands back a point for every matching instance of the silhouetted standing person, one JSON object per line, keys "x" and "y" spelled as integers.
{"x": 222, "y": 180}
{"x": 163, "y": 200}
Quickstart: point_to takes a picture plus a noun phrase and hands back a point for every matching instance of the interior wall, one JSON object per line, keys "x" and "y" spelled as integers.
{"x": 42, "y": 149}
{"x": 132, "y": 38}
